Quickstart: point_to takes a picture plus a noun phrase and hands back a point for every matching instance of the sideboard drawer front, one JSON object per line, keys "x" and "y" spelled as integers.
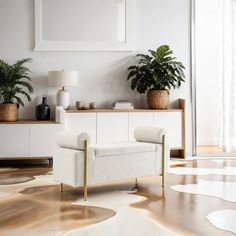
{"x": 82, "y": 122}
{"x": 14, "y": 140}
{"x": 172, "y": 123}
{"x": 137, "y": 119}
{"x": 43, "y": 139}
{"x": 112, "y": 127}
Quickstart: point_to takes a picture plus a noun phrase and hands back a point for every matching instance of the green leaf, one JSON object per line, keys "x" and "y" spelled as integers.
{"x": 132, "y": 67}
{"x": 131, "y": 74}
{"x": 15, "y": 79}
{"x": 19, "y": 101}
{"x": 153, "y": 53}
{"x": 26, "y": 85}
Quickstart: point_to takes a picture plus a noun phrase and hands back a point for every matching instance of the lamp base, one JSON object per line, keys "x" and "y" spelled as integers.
{"x": 63, "y": 98}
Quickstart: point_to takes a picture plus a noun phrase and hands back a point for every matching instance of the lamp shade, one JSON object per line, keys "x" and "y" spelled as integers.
{"x": 63, "y": 78}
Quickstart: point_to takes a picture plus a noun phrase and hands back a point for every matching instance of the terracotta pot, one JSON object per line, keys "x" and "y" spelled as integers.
{"x": 8, "y": 112}
{"x": 158, "y": 99}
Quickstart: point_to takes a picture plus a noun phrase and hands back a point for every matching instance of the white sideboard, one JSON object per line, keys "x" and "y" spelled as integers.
{"x": 37, "y": 139}
{"x": 107, "y": 125}
{"x": 28, "y": 139}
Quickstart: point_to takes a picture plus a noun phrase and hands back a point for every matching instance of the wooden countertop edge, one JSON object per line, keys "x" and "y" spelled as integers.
{"x": 48, "y": 122}
{"x": 121, "y": 110}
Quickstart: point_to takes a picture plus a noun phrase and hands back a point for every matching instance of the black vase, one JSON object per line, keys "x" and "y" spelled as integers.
{"x": 42, "y": 111}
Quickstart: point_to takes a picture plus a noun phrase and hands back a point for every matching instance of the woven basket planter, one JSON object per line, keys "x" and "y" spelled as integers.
{"x": 9, "y": 112}
{"x": 158, "y": 99}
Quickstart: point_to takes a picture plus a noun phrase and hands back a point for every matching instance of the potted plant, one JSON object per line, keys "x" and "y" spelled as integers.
{"x": 156, "y": 74}
{"x": 14, "y": 82}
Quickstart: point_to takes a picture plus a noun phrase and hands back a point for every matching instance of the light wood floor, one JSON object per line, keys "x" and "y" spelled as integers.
{"x": 35, "y": 206}
{"x": 208, "y": 149}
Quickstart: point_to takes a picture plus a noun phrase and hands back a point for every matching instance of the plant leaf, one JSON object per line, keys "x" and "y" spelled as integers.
{"x": 159, "y": 71}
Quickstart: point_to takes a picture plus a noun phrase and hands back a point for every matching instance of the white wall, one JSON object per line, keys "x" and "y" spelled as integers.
{"x": 102, "y": 74}
{"x": 208, "y": 70}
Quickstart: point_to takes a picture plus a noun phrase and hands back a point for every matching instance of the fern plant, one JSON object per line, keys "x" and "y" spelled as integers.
{"x": 15, "y": 81}
{"x": 157, "y": 71}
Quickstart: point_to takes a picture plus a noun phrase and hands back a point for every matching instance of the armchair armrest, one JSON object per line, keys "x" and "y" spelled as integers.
{"x": 149, "y": 134}
{"x": 73, "y": 140}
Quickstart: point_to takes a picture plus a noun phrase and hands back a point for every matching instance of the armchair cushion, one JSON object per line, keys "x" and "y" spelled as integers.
{"x": 122, "y": 148}
{"x": 149, "y": 134}
{"x": 72, "y": 140}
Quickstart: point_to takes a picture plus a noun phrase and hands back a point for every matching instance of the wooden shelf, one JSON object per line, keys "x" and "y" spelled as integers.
{"x": 46, "y": 122}
{"x": 177, "y": 148}
{"x": 121, "y": 110}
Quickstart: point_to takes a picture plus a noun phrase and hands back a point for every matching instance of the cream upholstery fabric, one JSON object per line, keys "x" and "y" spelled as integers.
{"x": 108, "y": 162}
{"x": 68, "y": 166}
{"x": 124, "y": 166}
{"x": 149, "y": 134}
{"x": 72, "y": 140}
{"x": 122, "y": 148}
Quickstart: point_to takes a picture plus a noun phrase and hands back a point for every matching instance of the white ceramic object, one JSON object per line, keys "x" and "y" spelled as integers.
{"x": 60, "y": 116}
{"x": 63, "y": 98}
{"x": 61, "y": 78}
{"x": 79, "y": 104}
{"x": 92, "y": 105}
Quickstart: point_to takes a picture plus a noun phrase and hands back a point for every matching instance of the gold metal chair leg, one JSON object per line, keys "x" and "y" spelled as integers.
{"x": 85, "y": 170}
{"x": 61, "y": 187}
{"x": 163, "y": 161}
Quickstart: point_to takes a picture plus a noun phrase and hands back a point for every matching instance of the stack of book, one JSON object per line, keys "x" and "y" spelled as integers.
{"x": 123, "y": 104}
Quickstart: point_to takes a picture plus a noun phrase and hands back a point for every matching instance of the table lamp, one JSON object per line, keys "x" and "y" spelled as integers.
{"x": 63, "y": 79}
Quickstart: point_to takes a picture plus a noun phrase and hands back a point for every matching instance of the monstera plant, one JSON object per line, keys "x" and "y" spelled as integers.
{"x": 15, "y": 84}
{"x": 156, "y": 74}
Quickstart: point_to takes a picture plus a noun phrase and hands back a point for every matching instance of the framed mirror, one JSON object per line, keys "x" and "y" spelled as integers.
{"x": 84, "y": 25}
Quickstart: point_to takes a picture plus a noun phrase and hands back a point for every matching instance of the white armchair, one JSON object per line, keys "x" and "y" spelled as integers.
{"x": 76, "y": 163}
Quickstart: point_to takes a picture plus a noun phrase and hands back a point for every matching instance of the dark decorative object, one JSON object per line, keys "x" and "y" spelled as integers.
{"x": 43, "y": 110}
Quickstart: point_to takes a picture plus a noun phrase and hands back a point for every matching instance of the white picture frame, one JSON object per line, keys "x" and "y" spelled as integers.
{"x": 126, "y": 45}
